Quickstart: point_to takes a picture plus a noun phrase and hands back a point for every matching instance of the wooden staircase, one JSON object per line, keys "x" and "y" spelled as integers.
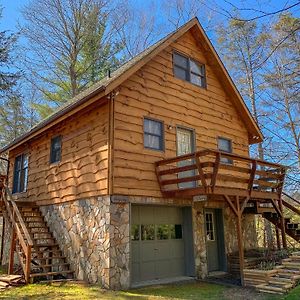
{"x": 286, "y": 277}
{"x": 47, "y": 260}
{"x": 278, "y": 216}
{"x": 34, "y": 244}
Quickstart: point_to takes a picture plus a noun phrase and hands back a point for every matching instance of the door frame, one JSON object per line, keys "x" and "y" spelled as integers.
{"x": 220, "y": 235}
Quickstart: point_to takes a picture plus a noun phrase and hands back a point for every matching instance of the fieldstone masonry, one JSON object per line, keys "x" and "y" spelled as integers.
{"x": 94, "y": 235}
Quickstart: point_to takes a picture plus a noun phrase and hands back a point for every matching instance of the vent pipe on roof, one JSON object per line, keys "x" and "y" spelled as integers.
{"x": 108, "y": 73}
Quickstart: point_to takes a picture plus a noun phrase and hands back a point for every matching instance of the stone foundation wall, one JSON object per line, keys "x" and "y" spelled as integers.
{"x": 94, "y": 235}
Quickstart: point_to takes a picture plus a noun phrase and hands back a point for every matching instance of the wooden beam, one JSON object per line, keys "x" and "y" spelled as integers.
{"x": 276, "y": 207}
{"x": 282, "y": 223}
{"x": 240, "y": 240}
{"x": 200, "y": 170}
{"x": 234, "y": 209}
{"x": 252, "y": 176}
{"x": 244, "y": 204}
{"x": 2, "y": 238}
{"x": 215, "y": 171}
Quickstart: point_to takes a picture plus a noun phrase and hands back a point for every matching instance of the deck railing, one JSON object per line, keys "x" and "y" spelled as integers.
{"x": 216, "y": 172}
{"x": 20, "y": 234}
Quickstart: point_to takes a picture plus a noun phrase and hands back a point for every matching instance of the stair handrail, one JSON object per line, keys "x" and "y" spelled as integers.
{"x": 291, "y": 198}
{"x": 13, "y": 211}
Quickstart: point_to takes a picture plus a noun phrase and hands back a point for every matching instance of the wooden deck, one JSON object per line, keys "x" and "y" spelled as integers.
{"x": 219, "y": 173}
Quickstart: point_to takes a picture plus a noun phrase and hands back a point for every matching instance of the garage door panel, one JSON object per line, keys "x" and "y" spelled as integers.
{"x": 135, "y": 248}
{"x": 147, "y": 271}
{"x": 135, "y": 267}
{"x": 147, "y": 251}
{"x": 146, "y": 214}
{"x": 163, "y": 269}
{"x": 157, "y": 246}
{"x": 163, "y": 250}
{"x": 177, "y": 249}
{"x": 178, "y": 268}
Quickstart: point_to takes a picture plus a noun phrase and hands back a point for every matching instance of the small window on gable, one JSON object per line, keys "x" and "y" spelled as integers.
{"x": 20, "y": 174}
{"x": 225, "y": 145}
{"x": 153, "y": 134}
{"x": 55, "y": 151}
{"x": 188, "y": 69}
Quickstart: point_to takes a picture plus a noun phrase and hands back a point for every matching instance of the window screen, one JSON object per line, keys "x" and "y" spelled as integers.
{"x": 153, "y": 134}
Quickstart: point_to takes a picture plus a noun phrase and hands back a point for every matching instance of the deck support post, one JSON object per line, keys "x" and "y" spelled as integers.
{"x": 238, "y": 212}
{"x": 2, "y": 239}
{"x": 277, "y": 238}
{"x": 282, "y": 225}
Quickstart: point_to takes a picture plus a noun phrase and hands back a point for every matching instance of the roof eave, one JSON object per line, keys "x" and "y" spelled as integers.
{"x": 23, "y": 138}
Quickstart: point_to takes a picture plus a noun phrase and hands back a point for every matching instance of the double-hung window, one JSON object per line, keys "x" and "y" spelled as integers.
{"x": 20, "y": 174}
{"x": 55, "y": 151}
{"x": 225, "y": 145}
{"x": 153, "y": 134}
{"x": 188, "y": 69}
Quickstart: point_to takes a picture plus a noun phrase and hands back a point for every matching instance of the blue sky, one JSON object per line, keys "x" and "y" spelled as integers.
{"x": 12, "y": 8}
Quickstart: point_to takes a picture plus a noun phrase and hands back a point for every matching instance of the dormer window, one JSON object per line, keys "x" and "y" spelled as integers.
{"x": 188, "y": 69}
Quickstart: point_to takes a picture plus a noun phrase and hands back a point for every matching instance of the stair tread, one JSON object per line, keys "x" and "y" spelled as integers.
{"x": 50, "y": 257}
{"x": 52, "y": 265}
{"x": 51, "y": 273}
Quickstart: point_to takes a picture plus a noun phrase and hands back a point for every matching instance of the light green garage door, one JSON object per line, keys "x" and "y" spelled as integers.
{"x": 158, "y": 244}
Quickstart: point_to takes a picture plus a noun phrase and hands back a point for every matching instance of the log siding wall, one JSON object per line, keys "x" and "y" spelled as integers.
{"x": 82, "y": 171}
{"x": 154, "y": 92}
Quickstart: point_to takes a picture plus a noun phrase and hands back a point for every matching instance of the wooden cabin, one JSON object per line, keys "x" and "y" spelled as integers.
{"x": 144, "y": 176}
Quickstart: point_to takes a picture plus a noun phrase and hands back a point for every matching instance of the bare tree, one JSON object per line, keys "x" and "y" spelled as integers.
{"x": 70, "y": 45}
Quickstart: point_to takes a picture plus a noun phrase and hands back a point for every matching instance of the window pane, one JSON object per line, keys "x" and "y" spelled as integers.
{"x": 196, "y": 68}
{"x": 18, "y": 162}
{"x": 180, "y": 73}
{"x": 151, "y": 126}
{"x": 176, "y": 231}
{"x": 135, "y": 232}
{"x": 153, "y": 134}
{"x": 25, "y": 161}
{"x": 25, "y": 179}
{"x": 152, "y": 142}
{"x": 224, "y": 145}
{"x": 180, "y": 60}
{"x": 55, "y": 152}
{"x": 196, "y": 79}
{"x": 147, "y": 232}
{"x": 162, "y": 232}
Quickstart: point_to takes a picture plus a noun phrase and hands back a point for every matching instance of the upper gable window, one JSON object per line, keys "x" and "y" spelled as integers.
{"x": 188, "y": 69}
{"x": 55, "y": 151}
{"x": 225, "y": 145}
{"x": 20, "y": 174}
{"x": 153, "y": 134}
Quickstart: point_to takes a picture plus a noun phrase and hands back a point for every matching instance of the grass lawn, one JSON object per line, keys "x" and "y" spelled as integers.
{"x": 188, "y": 291}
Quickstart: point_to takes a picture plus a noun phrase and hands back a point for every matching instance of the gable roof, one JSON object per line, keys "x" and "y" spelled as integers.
{"x": 108, "y": 84}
